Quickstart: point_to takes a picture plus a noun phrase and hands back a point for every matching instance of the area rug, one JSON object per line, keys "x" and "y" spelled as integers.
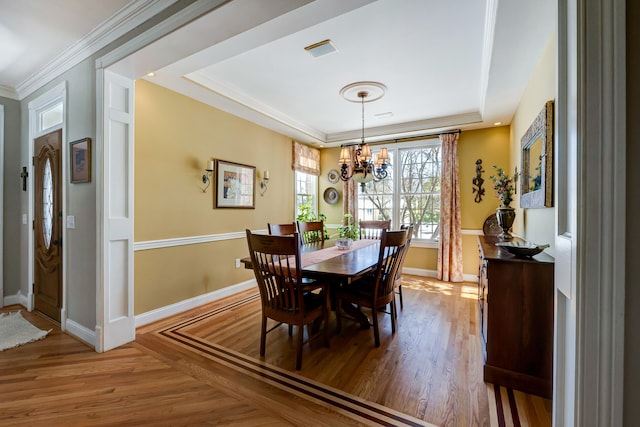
{"x": 15, "y": 331}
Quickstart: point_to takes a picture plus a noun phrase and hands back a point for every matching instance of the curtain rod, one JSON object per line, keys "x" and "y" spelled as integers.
{"x": 416, "y": 138}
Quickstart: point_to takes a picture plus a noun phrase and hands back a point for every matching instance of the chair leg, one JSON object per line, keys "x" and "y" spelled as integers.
{"x": 400, "y": 293}
{"x": 394, "y": 316}
{"x": 290, "y": 330}
{"x": 338, "y": 315}
{"x": 376, "y": 332}
{"x": 396, "y": 311}
{"x": 263, "y": 335}
{"x": 326, "y": 319}
{"x": 299, "y": 347}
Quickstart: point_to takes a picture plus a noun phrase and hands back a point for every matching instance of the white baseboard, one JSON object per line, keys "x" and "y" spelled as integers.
{"x": 420, "y": 272}
{"x": 470, "y": 278}
{"x": 188, "y": 304}
{"x": 80, "y": 332}
{"x": 14, "y": 299}
{"x": 71, "y": 327}
{"x": 432, "y": 273}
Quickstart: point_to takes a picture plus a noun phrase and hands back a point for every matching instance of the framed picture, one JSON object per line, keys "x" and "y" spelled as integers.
{"x": 235, "y": 185}
{"x": 80, "y": 151}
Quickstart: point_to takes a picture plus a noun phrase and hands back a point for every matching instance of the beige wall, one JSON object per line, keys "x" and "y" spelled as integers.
{"x": 535, "y": 225}
{"x": 329, "y": 161}
{"x": 174, "y": 138}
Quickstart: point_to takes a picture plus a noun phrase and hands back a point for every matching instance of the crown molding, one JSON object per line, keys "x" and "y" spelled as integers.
{"x": 8, "y": 92}
{"x": 408, "y": 128}
{"x": 252, "y": 106}
{"x": 118, "y": 25}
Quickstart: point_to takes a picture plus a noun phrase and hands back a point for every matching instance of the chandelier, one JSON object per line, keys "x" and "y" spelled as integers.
{"x": 355, "y": 161}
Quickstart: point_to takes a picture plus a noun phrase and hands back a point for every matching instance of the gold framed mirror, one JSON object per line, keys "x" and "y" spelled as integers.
{"x": 536, "y": 181}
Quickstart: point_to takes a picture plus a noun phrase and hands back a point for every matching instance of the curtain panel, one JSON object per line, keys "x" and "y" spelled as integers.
{"x": 306, "y": 159}
{"x": 450, "y": 248}
{"x": 350, "y": 190}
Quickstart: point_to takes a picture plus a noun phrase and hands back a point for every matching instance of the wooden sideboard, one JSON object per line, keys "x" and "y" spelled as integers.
{"x": 517, "y": 325}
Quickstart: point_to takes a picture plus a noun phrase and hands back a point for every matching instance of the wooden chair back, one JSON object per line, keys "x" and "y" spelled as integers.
{"x": 373, "y": 229}
{"x": 282, "y": 229}
{"x": 276, "y": 265}
{"x": 392, "y": 246}
{"x": 311, "y": 231}
{"x": 377, "y": 290}
{"x": 409, "y": 231}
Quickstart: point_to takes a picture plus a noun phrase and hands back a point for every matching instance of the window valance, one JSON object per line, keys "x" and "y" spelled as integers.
{"x": 306, "y": 159}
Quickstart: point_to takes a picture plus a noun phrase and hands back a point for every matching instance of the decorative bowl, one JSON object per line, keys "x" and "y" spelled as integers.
{"x": 343, "y": 244}
{"x": 521, "y": 249}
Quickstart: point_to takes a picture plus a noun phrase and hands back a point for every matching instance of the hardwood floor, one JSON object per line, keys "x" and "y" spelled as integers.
{"x": 202, "y": 367}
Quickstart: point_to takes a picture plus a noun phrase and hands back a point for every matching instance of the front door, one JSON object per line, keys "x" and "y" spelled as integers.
{"x": 48, "y": 225}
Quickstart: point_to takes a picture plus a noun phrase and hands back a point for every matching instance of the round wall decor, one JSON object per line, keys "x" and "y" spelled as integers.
{"x": 331, "y": 196}
{"x": 333, "y": 176}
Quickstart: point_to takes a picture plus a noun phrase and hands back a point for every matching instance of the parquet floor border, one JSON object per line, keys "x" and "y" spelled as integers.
{"x": 369, "y": 412}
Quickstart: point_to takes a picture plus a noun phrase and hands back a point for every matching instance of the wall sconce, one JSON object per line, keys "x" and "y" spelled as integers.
{"x": 264, "y": 182}
{"x": 206, "y": 178}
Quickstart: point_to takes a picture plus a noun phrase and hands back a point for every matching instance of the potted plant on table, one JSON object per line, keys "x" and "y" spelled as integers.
{"x": 503, "y": 185}
{"x": 347, "y": 233}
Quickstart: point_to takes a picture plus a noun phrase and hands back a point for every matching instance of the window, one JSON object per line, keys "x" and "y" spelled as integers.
{"x": 306, "y": 191}
{"x": 50, "y": 117}
{"x": 411, "y": 193}
{"x": 306, "y": 164}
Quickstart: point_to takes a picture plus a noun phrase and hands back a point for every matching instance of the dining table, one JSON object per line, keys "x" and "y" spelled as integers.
{"x": 325, "y": 261}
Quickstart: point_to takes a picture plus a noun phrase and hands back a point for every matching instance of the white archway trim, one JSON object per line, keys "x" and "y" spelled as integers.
{"x": 602, "y": 216}
{"x": 591, "y": 211}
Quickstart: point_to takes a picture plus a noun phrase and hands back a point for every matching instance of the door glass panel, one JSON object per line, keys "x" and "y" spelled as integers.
{"x": 47, "y": 203}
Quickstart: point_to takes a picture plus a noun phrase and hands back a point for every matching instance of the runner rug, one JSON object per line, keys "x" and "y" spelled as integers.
{"x": 16, "y": 331}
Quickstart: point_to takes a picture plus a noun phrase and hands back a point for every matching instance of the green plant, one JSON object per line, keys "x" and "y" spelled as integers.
{"x": 503, "y": 184}
{"x": 307, "y": 214}
{"x": 350, "y": 229}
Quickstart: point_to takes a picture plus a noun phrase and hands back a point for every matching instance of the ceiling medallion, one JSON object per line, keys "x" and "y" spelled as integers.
{"x": 374, "y": 90}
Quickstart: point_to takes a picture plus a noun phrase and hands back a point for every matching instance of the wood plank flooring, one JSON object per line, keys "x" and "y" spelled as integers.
{"x": 202, "y": 367}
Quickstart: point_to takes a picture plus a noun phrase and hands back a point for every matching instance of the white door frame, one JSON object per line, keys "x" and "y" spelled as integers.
{"x": 590, "y": 208}
{"x": 115, "y": 321}
{"x": 42, "y": 103}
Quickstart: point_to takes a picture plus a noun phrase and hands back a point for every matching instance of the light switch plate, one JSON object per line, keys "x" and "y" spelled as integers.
{"x": 71, "y": 221}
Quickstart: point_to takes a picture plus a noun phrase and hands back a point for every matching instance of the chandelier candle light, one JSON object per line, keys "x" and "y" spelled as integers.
{"x": 355, "y": 159}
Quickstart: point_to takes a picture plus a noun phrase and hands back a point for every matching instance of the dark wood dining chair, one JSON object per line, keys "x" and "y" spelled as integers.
{"x": 376, "y": 291}
{"x": 284, "y": 296}
{"x": 398, "y": 284}
{"x": 311, "y": 231}
{"x": 373, "y": 229}
{"x": 282, "y": 229}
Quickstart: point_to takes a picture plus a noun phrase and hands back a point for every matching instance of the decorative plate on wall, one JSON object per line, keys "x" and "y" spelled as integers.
{"x": 331, "y": 196}
{"x": 333, "y": 176}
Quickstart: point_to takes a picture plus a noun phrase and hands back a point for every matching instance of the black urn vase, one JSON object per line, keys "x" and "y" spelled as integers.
{"x": 506, "y": 216}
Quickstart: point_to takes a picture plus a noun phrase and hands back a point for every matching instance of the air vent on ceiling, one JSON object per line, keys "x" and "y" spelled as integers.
{"x": 321, "y": 48}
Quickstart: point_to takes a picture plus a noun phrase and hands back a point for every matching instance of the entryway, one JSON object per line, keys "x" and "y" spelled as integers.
{"x": 47, "y": 225}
